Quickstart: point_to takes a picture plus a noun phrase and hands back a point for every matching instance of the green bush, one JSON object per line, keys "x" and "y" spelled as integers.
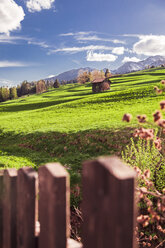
{"x": 144, "y": 155}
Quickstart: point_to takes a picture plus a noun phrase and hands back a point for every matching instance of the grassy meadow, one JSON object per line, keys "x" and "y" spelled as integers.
{"x": 71, "y": 124}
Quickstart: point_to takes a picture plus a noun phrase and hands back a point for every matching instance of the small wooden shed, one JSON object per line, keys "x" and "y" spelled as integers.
{"x": 100, "y": 85}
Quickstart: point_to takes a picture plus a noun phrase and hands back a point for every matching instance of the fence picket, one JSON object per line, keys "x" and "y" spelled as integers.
{"x": 108, "y": 204}
{"x": 26, "y": 202}
{"x": 1, "y": 206}
{"x": 9, "y": 208}
{"x": 54, "y": 207}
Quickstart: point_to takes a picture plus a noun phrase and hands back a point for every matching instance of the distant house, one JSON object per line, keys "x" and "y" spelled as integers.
{"x": 100, "y": 84}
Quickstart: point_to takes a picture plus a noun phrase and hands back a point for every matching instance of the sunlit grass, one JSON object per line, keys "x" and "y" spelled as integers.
{"x": 69, "y": 124}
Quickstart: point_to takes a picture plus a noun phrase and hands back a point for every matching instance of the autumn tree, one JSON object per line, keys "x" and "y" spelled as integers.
{"x": 96, "y": 74}
{"x": 83, "y": 77}
{"x": 13, "y": 93}
{"x": 40, "y": 86}
{"x": 4, "y": 94}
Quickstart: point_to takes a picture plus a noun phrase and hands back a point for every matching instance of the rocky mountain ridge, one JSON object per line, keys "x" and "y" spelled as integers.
{"x": 125, "y": 68}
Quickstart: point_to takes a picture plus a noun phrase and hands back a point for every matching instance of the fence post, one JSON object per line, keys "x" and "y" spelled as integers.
{"x": 9, "y": 209}
{"x": 1, "y": 206}
{"x": 26, "y": 202}
{"x": 108, "y": 204}
{"x": 54, "y": 207}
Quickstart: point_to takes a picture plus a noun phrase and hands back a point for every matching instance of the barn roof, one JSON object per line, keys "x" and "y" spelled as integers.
{"x": 98, "y": 80}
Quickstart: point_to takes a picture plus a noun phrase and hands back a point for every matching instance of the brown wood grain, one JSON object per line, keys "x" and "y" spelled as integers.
{"x": 10, "y": 209}
{"x": 54, "y": 206}
{"x": 1, "y": 207}
{"x": 26, "y": 201}
{"x": 108, "y": 204}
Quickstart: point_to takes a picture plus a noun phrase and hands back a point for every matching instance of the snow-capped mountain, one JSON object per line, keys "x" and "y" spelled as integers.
{"x": 125, "y": 68}
{"x": 141, "y": 65}
{"x": 69, "y": 75}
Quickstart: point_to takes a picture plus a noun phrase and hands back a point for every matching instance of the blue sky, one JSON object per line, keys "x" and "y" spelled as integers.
{"x": 39, "y": 38}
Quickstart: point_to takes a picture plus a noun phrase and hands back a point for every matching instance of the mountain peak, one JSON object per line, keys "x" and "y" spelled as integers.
{"x": 70, "y": 75}
{"x": 141, "y": 65}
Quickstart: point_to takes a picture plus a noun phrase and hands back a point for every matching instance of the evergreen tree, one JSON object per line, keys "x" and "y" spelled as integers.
{"x": 107, "y": 73}
{"x": 18, "y": 90}
{"x": 56, "y": 84}
{"x": 25, "y": 88}
{"x": 1, "y": 99}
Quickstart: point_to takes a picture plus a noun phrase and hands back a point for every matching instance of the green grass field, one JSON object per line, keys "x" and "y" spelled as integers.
{"x": 71, "y": 124}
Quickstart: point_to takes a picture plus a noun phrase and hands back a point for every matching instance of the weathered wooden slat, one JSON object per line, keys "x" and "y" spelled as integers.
{"x": 26, "y": 202}
{"x": 1, "y": 206}
{"x": 54, "y": 206}
{"x": 108, "y": 204}
{"x": 10, "y": 209}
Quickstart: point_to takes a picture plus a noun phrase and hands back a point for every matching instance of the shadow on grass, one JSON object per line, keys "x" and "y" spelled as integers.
{"x": 70, "y": 149}
{"x": 128, "y": 95}
{"x": 144, "y": 82}
{"x": 34, "y": 106}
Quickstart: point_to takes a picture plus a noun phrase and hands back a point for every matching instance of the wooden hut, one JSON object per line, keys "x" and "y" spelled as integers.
{"x": 100, "y": 85}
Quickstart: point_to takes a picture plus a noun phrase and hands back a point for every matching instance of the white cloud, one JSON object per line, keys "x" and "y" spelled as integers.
{"x": 38, "y": 5}
{"x": 91, "y": 36}
{"x": 150, "y": 45}
{"x": 16, "y": 40}
{"x": 132, "y": 59}
{"x": 11, "y": 16}
{"x": 84, "y": 48}
{"x": 118, "y": 50}
{"x": 38, "y": 43}
{"x": 12, "y": 64}
{"x": 77, "y": 33}
{"x": 91, "y": 56}
{"x": 67, "y": 34}
{"x": 12, "y": 39}
{"x": 96, "y": 38}
{"x": 132, "y": 35}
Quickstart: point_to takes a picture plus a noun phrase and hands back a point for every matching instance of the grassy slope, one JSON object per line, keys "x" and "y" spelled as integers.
{"x": 71, "y": 124}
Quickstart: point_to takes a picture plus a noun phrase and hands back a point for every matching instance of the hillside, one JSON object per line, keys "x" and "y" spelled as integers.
{"x": 70, "y": 124}
{"x": 125, "y": 68}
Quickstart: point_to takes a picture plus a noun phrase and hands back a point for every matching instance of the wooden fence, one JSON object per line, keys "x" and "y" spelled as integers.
{"x": 35, "y": 207}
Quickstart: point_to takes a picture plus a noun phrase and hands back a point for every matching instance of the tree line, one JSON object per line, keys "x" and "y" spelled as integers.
{"x": 87, "y": 76}
{"x": 27, "y": 88}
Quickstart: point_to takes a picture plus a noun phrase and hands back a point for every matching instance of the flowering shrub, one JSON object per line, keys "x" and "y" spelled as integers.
{"x": 151, "y": 219}
{"x": 162, "y": 88}
{"x": 149, "y": 165}
{"x": 147, "y": 158}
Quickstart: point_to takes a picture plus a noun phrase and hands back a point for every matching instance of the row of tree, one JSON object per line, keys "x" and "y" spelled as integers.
{"x": 26, "y": 88}
{"x": 87, "y": 76}
{"x": 6, "y": 93}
